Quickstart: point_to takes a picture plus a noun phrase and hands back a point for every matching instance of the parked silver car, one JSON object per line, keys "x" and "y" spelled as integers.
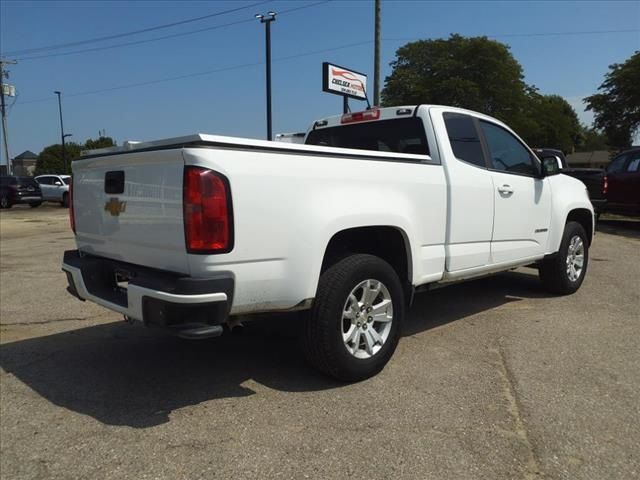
{"x": 55, "y": 188}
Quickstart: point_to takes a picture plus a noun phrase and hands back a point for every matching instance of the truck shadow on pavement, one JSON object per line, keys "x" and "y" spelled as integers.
{"x": 129, "y": 375}
{"x": 626, "y": 227}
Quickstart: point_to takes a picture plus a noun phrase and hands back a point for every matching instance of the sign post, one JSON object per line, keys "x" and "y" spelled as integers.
{"x": 345, "y": 82}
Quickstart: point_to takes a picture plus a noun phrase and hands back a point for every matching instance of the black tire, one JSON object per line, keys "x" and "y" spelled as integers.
{"x": 35, "y": 204}
{"x": 323, "y": 341}
{"x": 553, "y": 271}
{"x": 5, "y": 202}
{"x": 65, "y": 200}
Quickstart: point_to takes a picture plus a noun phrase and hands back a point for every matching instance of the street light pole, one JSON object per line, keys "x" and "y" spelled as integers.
{"x": 376, "y": 55}
{"x": 270, "y": 17}
{"x": 62, "y": 135}
{"x": 3, "y": 110}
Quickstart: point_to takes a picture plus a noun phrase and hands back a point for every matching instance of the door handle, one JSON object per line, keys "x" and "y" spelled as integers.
{"x": 506, "y": 189}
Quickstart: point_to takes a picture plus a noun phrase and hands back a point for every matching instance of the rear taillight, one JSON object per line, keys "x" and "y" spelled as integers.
{"x": 365, "y": 116}
{"x": 72, "y": 217}
{"x": 207, "y": 211}
{"x": 605, "y": 185}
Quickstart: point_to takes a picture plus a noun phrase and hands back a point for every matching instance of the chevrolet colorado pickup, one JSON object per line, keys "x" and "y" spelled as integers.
{"x": 189, "y": 233}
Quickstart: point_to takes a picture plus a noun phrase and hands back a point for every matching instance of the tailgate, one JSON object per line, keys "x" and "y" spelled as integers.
{"x": 128, "y": 207}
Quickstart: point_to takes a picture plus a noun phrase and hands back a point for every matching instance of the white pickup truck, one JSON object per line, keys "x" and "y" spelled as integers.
{"x": 189, "y": 233}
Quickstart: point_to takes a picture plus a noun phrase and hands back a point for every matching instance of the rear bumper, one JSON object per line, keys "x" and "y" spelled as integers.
{"x": 27, "y": 197}
{"x": 154, "y": 297}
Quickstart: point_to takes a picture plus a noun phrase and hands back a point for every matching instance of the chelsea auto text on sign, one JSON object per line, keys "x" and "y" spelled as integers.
{"x": 342, "y": 81}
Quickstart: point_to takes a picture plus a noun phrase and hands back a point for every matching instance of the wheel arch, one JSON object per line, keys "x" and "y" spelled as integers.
{"x": 584, "y": 217}
{"x": 391, "y": 243}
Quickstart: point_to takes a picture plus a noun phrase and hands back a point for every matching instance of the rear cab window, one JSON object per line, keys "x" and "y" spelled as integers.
{"x": 617, "y": 164}
{"x": 464, "y": 138}
{"x": 403, "y": 135}
{"x": 26, "y": 181}
{"x": 634, "y": 162}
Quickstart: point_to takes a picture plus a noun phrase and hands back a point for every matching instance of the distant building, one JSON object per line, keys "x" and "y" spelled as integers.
{"x": 24, "y": 164}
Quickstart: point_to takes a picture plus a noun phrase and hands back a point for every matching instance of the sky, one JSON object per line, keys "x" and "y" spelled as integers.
{"x": 220, "y": 84}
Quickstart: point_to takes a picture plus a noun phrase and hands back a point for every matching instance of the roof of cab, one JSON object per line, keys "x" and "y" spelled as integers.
{"x": 400, "y": 111}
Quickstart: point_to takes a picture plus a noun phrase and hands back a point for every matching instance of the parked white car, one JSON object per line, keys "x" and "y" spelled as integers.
{"x": 55, "y": 188}
{"x": 188, "y": 233}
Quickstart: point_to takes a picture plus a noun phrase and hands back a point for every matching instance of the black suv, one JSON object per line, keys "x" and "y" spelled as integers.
{"x": 19, "y": 190}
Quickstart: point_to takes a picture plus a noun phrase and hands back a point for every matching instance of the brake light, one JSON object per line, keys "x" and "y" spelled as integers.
{"x": 72, "y": 217}
{"x": 207, "y": 211}
{"x": 360, "y": 116}
{"x": 605, "y": 185}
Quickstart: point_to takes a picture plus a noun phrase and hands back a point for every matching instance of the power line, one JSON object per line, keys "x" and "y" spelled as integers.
{"x": 198, "y": 74}
{"x": 235, "y": 67}
{"x": 182, "y": 34}
{"x": 126, "y": 34}
{"x": 215, "y": 27}
{"x": 139, "y": 42}
{"x": 540, "y": 34}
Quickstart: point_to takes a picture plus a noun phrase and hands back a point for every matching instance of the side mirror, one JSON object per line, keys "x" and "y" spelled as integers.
{"x": 58, "y": 184}
{"x": 550, "y": 165}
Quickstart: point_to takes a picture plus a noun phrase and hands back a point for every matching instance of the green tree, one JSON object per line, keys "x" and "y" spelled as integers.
{"x": 617, "y": 106}
{"x": 50, "y": 158}
{"x": 101, "y": 142}
{"x": 593, "y": 140}
{"x": 474, "y": 73}
{"x": 481, "y": 75}
{"x": 554, "y": 123}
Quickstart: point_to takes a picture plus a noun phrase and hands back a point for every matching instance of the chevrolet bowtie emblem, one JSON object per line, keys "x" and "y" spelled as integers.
{"x": 115, "y": 207}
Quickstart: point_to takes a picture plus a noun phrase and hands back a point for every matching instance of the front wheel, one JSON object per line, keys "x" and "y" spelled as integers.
{"x": 4, "y": 202}
{"x": 564, "y": 273}
{"x": 65, "y": 200}
{"x": 354, "y": 325}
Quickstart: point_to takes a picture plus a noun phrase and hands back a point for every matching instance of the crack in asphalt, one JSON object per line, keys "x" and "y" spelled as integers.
{"x": 515, "y": 410}
{"x": 45, "y": 322}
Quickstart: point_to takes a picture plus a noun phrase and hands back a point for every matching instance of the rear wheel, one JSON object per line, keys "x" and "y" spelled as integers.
{"x": 354, "y": 325}
{"x": 4, "y": 202}
{"x": 564, "y": 273}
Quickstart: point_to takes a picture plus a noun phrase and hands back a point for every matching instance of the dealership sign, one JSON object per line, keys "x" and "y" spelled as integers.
{"x": 342, "y": 81}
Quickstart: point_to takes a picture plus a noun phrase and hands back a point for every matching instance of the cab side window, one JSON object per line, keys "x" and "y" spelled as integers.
{"x": 464, "y": 139}
{"x": 44, "y": 180}
{"x": 507, "y": 153}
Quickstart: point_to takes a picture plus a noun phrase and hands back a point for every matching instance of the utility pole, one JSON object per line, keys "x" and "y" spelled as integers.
{"x": 62, "y": 135}
{"x": 270, "y": 17}
{"x": 4, "y": 75}
{"x": 376, "y": 56}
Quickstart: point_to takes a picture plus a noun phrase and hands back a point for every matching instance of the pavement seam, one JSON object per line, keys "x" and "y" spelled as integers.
{"x": 515, "y": 410}
{"x": 45, "y": 322}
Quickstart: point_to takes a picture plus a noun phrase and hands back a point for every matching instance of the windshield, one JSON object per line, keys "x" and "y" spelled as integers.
{"x": 404, "y": 135}
{"x": 66, "y": 180}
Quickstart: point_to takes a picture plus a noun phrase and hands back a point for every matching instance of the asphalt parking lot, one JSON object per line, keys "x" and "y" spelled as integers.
{"x": 494, "y": 379}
